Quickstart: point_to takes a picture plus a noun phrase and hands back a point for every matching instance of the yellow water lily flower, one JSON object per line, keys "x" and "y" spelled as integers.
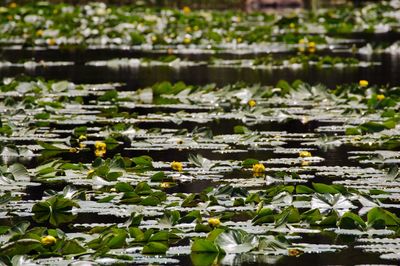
{"x": 100, "y": 148}
{"x": 363, "y": 83}
{"x": 39, "y": 33}
{"x": 252, "y": 103}
{"x": 186, "y": 10}
{"x": 312, "y": 47}
{"x": 380, "y": 97}
{"x": 48, "y": 240}
{"x": 258, "y": 168}
{"x": 214, "y": 222}
{"x": 305, "y": 154}
{"x": 177, "y": 166}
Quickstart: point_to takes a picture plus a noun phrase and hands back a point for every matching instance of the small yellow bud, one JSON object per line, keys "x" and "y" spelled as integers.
{"x": 292, "y": 25}
{"x": 305, "y": 154}
{"x": 48, "y": 240}
{"x": 214, "y": 222}
{"x": 39, "y": 33}
{"x": 187, "y": 40}
{"x": 252, "y": 103}
{"x": 165, "y": 185}
{"x": 363, "y": 83}
{"x": 73, "y": 150}
{"x": 186, "y": 10}
{"x": 380, "y": 97}
{"x": 13, "y": 5}
{"x": 177, "y": 166}
{"x": 51, "y": 42}
{"x": 258, "y": 168}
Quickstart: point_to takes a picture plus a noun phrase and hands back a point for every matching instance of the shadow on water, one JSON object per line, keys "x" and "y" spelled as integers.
{"x": 386, "y": 73}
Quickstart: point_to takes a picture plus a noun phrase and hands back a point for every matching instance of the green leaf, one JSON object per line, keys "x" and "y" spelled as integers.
{"x": 350, "y": 220}
{"x": 301, "y": 189}
{"x": 72, "y": 247}
{"x": 236, "y": 241}
{"x": 323, "y": 188}
{"x": 155, "y": 248}
{"x": 158, "y": 177}
{"x": 248, "y": 163}
{"x": 204, "y": 246}
{"x": 55, "y": 210}
{"x": 378, "y": 218}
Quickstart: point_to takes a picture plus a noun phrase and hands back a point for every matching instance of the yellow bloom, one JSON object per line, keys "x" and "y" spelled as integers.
{"x": 363, "y": 83}
{"x": 39, "y": 33}
{"x": 312, "y": 47}
{"x": 187, "y": 40}
{"x": 188, "y": 29}
{"x": 100, "y": 148}
{"x": 99, "y": 145}
{"x": 82, "y": 137}
{"x": 177, "y": 166}
{"x": 292, "y": 25}
{"x": 165, "y": 184}
{"x": 73, "y": 150}
{"x": 252, "y": 103}
{"x": 239, "y": 40}
{"x": 304, "y": 154}
{"x": 186, "y": 10}
{"x": 380, "y": 97}
{"x": 214, "y": 222}
{"x": 51, "y": 42}
{"x": 258, "y": 168}
{"x": 13, "y": 5}
{"x": 48, "y": 240}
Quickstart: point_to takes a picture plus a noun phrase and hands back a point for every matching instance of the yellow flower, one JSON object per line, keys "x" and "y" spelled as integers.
{"x": 165, "y": 184}
{"x": 214, "y": 222}
{"x": 73, "y": 150}
{"x": 304, "y": 154}
{"x": 258, "y": 168}
{"x": 252, "y": 103}
{"x": 292, "y": 25}
{"x": 188, "y": 29}
{"x": 312, "y": 47}
{"x": 100, "y": 148}
{"x": 177, "y": 166}
{"x": 51, "y": 42}
{"x": 305, "y": 163}
{"x": 48, "y": 240}
{"x": 13, "y": 5}
{"x": 39, "y": 33}
{"x": 82, "y": 137}
{"x": 380, "y": 97}
{"x": 363, "y": 83}
{"x": 186, "y": 10}
{"x": 99, "y": 145}
{"x": 187, "y": 40}
{"x": 239, "y": 40}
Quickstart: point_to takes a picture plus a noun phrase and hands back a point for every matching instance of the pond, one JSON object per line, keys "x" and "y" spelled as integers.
{"x": 226, "y": 138}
